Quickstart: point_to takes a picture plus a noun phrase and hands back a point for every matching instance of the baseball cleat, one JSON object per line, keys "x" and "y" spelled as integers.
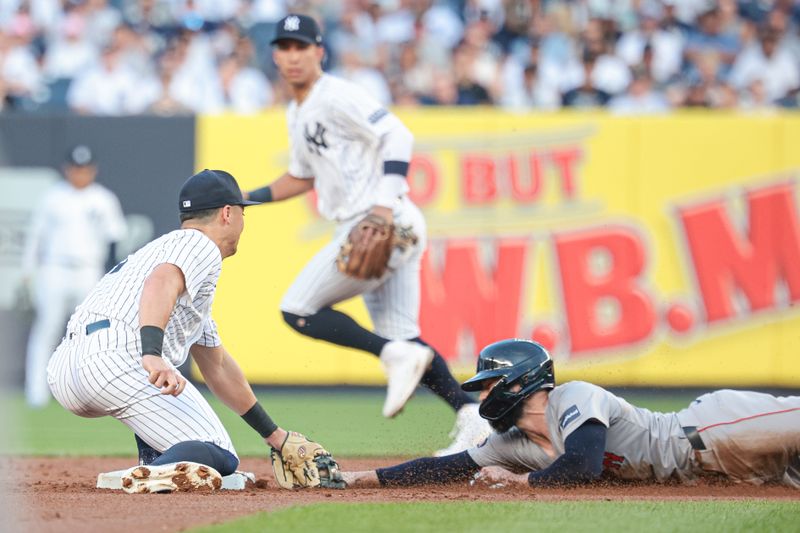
{"x": 469, "y": 431}
{"x": 404, "y": 363}
{"x": 173, "y": 477}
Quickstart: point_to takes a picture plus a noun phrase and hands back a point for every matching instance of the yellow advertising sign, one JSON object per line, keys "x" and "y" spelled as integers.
{"x": 642, "y": 251}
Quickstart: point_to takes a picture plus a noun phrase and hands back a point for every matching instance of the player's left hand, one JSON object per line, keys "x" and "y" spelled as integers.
{"x": 163, "y": 376}
{"x": 496, "y": 477}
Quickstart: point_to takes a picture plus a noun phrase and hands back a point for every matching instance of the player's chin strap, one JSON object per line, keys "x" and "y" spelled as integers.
{"x": 510, "y": 419}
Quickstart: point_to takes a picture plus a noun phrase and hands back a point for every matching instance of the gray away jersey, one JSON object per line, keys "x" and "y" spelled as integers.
{"x": 336, "y": 136}
{"x": 640, "y": 444}
{"x": 117, "y": 295}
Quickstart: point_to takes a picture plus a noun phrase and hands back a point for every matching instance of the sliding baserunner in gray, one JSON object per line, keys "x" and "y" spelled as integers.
{"x": 577, "y": 432}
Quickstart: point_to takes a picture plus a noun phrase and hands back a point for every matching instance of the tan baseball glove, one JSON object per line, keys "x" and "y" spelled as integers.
{"x": 366, "y": 252}
{"x": 296, "y": 465}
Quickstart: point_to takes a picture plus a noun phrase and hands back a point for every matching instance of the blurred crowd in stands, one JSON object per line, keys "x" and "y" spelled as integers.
{"x": 122, "y": 57}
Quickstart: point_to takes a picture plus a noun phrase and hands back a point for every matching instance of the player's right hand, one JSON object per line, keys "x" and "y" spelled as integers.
{"x": 163, "y": 376}
{"x": 496, "y": 477}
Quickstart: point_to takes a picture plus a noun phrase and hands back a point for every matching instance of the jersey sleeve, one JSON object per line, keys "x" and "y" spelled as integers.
{"x": 579, "y": 402}
{"x": 210, "y": 336}
{"x": 512, "y": 450}
{"x": 198, "y": 258}
{"x": 361, "y": 115}
{"x": 298, "y": 165}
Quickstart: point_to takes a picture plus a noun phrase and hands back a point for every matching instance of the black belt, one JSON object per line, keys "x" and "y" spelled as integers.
{"x": 694, "y": 438}
{"x": 97, "y": 326}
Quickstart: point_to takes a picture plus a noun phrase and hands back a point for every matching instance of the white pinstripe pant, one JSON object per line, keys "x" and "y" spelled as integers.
{"x": 101, "y": 374}
{"x": 392, "y": 301}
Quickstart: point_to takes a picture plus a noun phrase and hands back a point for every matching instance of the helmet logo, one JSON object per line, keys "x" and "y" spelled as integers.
{"x": 291, "y": 23}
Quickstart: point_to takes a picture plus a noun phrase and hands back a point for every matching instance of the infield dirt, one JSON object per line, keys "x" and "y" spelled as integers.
{"x": 59, "y": 495}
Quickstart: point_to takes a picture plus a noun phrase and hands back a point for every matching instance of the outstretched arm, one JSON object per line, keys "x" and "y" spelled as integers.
{"x": 226, "y": 380}
{"x": 283, "y": 188}
{"x": 581, "y": 462}
{"x": 425, "y": 471}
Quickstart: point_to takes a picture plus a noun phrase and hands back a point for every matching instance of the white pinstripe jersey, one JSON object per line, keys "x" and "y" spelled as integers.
{"x": 117, "y": 295}
{"x": 335, "y": 137}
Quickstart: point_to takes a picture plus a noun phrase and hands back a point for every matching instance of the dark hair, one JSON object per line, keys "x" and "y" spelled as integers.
{"x": 201, "y": 214}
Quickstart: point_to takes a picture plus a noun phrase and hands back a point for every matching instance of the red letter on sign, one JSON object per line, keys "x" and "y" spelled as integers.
{"x": 525, "y": 188}
{"x": 423, "y": 179}
{"x": 724, "y": 261}
{"x": 465, "y": 298}
{"x": 479, "y": 179}
{"x": 566, "y": 161}
{"x": 584, "y": 290}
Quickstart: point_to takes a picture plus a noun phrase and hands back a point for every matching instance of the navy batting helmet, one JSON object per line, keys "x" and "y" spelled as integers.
{"x": 519, "y": 364}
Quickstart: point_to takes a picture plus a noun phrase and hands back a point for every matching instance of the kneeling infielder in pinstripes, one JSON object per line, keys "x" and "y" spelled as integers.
{"x": 125, "y": 341}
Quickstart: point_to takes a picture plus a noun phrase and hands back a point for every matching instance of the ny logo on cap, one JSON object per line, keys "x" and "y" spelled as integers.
{"x": 291, "y": 23}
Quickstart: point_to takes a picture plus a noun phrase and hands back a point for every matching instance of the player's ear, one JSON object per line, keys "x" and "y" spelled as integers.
{"x": 225, "y": 214}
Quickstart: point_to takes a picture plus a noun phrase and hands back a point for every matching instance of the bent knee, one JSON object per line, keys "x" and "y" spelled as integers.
{"x": 229, "y": 463}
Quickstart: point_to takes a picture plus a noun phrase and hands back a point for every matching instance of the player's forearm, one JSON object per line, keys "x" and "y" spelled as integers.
{"x": 581, "y": 462}
{"x": 226, "y": 380}
{"x": 429, "y": 470}
{"x": 396, "y": 150}
{"x": 236, "y": 393}
{"x": 285, "y": 187}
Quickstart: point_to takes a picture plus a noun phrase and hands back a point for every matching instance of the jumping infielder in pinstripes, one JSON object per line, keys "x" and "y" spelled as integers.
{"x": 576, "y": 432}
{"x": 124, "y": 342}
{"x": 355, "y": 154}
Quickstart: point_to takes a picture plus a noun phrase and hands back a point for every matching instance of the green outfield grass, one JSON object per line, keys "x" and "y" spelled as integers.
{"x": 348, "y": 422}
{"x": 560, "y": 517}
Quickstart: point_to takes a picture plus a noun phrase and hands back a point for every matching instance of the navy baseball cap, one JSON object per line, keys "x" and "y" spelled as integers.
{"x": 80, "y": 156}
{"x": 298, "y": 28}
{"x": 210, "y": 189}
